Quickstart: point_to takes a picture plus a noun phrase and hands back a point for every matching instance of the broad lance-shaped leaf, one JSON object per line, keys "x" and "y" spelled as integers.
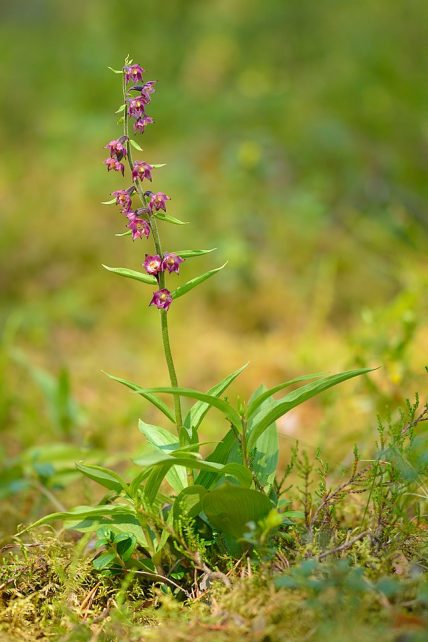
{"x": 135, "y": 144}
{"x": 189, "y": 502}
{"x": 211, "y": 400}
{"x": 258, "y": 399}
{"x": 198, "y": 411}
{"x": 137, "y": 481}
{"x": 183, "y": 289}
{"x": 132, "y": 274}
{"x": 189, "y": 460}
{"x": 295, "y": 398}
{"x": 82, "y": 513}
{"x": 107, "y": 478}
{"x": 158, "y": 403}
{"x": 230, "y": 508}
{"x": 226, "y": 451}
{"x": 165, "y": 442}
{"x": 264, "y": 460}
{"x": 188, "y": 254}
{"x": 170, "y": 219}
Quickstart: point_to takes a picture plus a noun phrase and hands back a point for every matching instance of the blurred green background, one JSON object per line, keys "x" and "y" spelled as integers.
{"x": 296, "y": 141}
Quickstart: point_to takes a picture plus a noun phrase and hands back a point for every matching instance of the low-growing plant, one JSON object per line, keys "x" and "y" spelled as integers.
{"x": 181, "y": 503}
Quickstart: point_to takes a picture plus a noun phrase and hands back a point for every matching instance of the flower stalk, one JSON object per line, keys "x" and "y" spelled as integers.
{"x": 141, "y": 226}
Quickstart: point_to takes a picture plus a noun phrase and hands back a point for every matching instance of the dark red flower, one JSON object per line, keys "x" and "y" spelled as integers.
{"x": 139, "y": 227}
{"x": 117, "y": 147}
{"x": 171, "y": 262}
{"x": 141, "y": 123}
{"x": 123, "y": 198}
{"x": 114, "y": 164}
{"x": 136, "y": 106}
{"x": 147, "y": 90}
{"x": 133, "y": 73}
{"x": 142, "y": 170}
{"x": 162, "y": 299}
{"x": 153, "y": 264}
{"x": 158, "y": 201}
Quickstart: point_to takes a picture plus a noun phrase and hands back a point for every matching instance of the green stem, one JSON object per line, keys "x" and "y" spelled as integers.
{"x": 163, "y": 313}
{"x": 244, "y": 443}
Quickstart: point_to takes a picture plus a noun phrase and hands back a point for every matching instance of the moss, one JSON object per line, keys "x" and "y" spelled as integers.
{"x": 50, "y": 592}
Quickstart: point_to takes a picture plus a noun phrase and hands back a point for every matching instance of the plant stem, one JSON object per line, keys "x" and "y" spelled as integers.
{"x": 244, "y": 442}
{"x": 163, "y": 313}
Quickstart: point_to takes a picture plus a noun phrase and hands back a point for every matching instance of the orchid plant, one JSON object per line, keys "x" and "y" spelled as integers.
{"x": 179, "y": 500}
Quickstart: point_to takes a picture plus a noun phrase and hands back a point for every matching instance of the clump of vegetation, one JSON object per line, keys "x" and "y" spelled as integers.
{"x": 255, "y": 554}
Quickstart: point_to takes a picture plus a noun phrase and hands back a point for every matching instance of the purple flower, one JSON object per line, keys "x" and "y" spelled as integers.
{"x": 136, "y": 106}
{"x": 123, "y": 198}
{"x": 139, "y": 227}
{"x": 162, "y": 299}
{"x": 158, "y": 201}
{"x": 141, "y": 123}
{"x": 133, "y": 73}
{"x": 142, "y": 170}
{"x": 112, "y": 163}
{"x": 147, "y": 90}
{"x": 117, "y": 147}
{"x": 171, "y": 262}
{"x": 153, "y": 264}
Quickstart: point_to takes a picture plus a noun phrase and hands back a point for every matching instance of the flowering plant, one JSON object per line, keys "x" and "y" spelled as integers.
{"x": 181, "y": 500}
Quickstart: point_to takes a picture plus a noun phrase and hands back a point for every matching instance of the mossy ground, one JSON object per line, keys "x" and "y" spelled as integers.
{"x": 49, "y": 591}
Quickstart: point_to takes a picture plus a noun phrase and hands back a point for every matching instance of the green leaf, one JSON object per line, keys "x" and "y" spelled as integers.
{"x": 198, "y": 411}
{"x": 211, "y": 400}
{"x": 121, "y": 109}
{"x": 85, "y": 519}
{"x": 137, "y": 481}
{"x": 132, "y": 274}
{"x": 221, "y": 454}
{"x": 115, "y": 71}
{"x": 107, "y": 478}
{"x": 170, "y": 219}
{"x": 154, "y": 480}
{"x": 258, "y": 399}
{"x": 164, "y": 441}
{"x": 183, "y": 289}
{"x": 128, "y": 233}
{"x": 125, "y": 546}
{"x": 189, "y": 502}
{"x": 158, "y": 165}
{"x": 104, "y": 561}
{"x": 164, "y": 461}
{"x": 135, "y": 145}
{"x": 188, "y": 254}
{"x": 230, "y": 508}
{"x": 81, "y": 513}
{"x": 295, "y": 398}
{"x": 113, "y": 200}
{"x": 266, "y": 455}
{"x": 294, "y": 514}
{"x": 158, "y": 403}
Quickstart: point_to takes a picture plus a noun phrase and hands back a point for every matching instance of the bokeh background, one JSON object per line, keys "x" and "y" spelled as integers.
{"x": 296, "y": 141}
